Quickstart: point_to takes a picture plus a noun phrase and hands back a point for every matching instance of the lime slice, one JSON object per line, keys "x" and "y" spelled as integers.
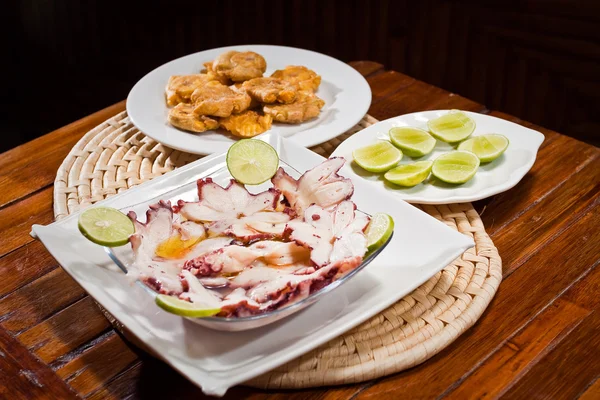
{"x": 379, "y": 230}
{"x": 486, "y": 147}
{"x": 377, "y": 157}
{"x": 413, "y": 142}
{"x": 252, "y": 161}
{"x": 106, "y": 226}
{"x": 184, "y": 308}
{"x": 455, "y": 167}
{"x": 409, "y": 174}
{"x": 452, "y": 127}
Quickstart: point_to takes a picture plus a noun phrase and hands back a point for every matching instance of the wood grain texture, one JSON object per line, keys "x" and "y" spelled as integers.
{"x": 17, "y": 218}
{"x": 521, "y": 296}
{"x": 38, "y": 300}
{"x": 32, "y": 166}
{"x": 23, "y": 265}
{"x": 23, "y": 376}
{"x": 508, "y": 365}
{"x": 544, "y": 227}
{"x": 65, "y": 331}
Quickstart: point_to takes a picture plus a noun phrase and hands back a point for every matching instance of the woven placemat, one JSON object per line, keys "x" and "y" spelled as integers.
{"x": 115, "y": 156}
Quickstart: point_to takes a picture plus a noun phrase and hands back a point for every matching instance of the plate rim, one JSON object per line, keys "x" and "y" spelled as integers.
{"x": 514, "y": 178}
{"x": 346, "y": 124}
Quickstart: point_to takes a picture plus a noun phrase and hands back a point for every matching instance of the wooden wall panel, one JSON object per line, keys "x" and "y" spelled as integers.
{"x": 539, "y": 60}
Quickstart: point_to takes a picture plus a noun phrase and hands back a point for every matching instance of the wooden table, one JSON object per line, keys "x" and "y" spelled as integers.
{"x": 539, "y": 337}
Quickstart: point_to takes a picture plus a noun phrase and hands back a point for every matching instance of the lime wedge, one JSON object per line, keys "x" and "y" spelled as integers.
{"x": 379, "y": 230}
{"x": 252, "y": 161}
{"x": 377, "y": 157}
{"x": 409, "y": 174}
{"x": 455, "y": 167}
{"x": 106, "y": 226}
{"x": 486, "y": 147}
{"x": 413, "y": 142}
{"x": 184, "y": 308}
{"x": 452, "y": 127}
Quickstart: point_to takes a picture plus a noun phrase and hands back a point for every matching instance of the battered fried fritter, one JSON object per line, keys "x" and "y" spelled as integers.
{"x": 300, "y": 77}
{"x": 240, "y": 66}
{"x": 238, "y": 88}
{"x": 306, "y": 106}
{"x": 270, "y": 90}
{"x": 180, "y": 87}
{"x": 182, "y": 116}
{"x": 219, "y": 100}
{"x": 208, "y": 70}
{"x": 247, "y": 124}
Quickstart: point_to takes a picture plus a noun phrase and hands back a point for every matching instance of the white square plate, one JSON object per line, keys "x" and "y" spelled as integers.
{"x": 420, "y": 247}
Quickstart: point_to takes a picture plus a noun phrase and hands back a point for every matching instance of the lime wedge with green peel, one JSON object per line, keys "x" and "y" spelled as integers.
{"x": 455, "y": 167}
{"x": 184, "y": 308}
{"x": 413, "y": 142}
{"x": 486, "y": 147}
{"x": 106, "y": 226}
{"x": 452, "y": 127}
{"x": 379, "y": 230}
{"x": 409, "y": 174}
{"x": 252, "y": 161}
{"x": 377, "y": 157}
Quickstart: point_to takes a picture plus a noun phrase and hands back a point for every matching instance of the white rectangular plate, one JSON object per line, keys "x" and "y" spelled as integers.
{"x": 420, "y": 247}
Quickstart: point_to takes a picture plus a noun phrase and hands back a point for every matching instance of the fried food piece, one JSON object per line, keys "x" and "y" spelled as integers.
{"x": 219, "y": 100}
{"x": 180, "y": 87}
{"x": 300, "y": 77}
{"x": 208, "y": 70}
{"x": 306, "y": 106}
{"x": 238, "y": 88}
{"x": 247, "y": 124}
{"x": 182, "y": 116}
{"x": 239, "y": 66}
{"x": 270, "y": 90}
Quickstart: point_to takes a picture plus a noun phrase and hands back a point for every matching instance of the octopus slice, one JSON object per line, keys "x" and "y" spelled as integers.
{"x": 217, "y": 203}
{"x": 157, "y": 272}
{"x": 182, "y": 116}
{"x": 240, "y": 66}
{"x": 331, "y": 235}
{"x": 321, "y": 186}
{"x": 261, "y": 225}
{"x": 270, "y": 90}
{"x": 219, "y": 100}
{"x": 300, "y": 77}
{"x": 180, "y": 87}
{"x": 232, "y": 260}
{"x": 263, "y": 289}
{"x": 247, "y": 124}
{"x": 306, "y": 106}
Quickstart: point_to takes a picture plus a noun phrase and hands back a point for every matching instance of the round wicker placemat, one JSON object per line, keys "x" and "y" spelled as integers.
{"x": 115, "y": 156}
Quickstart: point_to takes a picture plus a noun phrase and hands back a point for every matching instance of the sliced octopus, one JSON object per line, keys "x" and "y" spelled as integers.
{"x": 239, "y": 252}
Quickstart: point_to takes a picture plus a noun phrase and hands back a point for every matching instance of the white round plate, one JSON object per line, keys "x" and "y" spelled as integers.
{"x": 492, "y": 178}
{"x": 346, "y": 93}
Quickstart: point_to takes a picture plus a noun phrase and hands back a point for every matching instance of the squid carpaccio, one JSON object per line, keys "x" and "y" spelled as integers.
{"x": 246, "y": 253}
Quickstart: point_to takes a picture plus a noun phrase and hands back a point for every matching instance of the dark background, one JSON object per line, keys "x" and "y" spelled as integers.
{"x": 538, "y": 60}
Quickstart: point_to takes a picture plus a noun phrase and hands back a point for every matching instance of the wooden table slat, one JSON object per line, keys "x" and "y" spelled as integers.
{"x": 40, "y": 299}
{"x": 549, "y": 328}
{"x": 556, "y": 164}
{"x": 65, "y": 331}
{"x": 520, "y": 297}
{"x": 17, "y": 218}
{"x": 32, "y": 166}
